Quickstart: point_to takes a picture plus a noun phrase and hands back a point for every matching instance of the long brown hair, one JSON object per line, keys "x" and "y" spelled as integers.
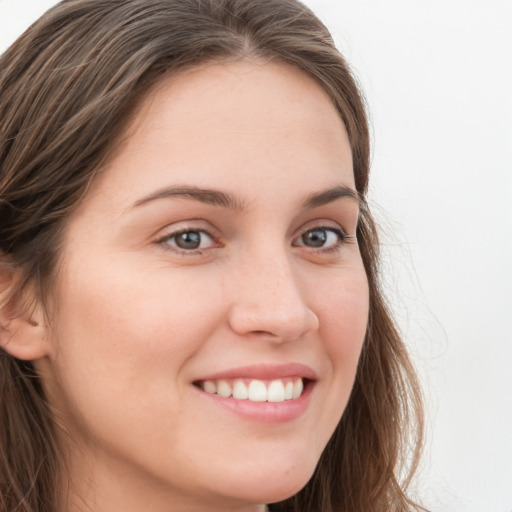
{"x": 67, "y": 88}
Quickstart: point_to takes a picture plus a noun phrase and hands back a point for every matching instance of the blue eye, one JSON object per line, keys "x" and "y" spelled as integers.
{"x": 190, "y": 240}
{"x": 324, "y": 238}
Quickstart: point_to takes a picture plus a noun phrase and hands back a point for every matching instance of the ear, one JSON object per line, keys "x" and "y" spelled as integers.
{"x": 23, "y": 333}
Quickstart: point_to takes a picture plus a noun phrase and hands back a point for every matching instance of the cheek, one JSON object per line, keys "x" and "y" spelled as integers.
{"x": 343, "y": 328}
{"x": 122, "y": 334}
{"x": 345, "y": 316}
{"x": 118, "y": 376}
{"x": 127, "y": 312}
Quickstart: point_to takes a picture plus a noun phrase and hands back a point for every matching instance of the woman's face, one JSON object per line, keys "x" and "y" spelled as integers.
{"x": 216, "y": 254}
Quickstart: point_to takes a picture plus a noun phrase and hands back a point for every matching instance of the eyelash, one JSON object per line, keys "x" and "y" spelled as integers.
{"x": 164, "y": 241}
{"x": 342, "y": 238}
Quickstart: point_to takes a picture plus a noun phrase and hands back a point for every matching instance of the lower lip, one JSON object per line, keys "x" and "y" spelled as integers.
{"x": 266, "y": 412}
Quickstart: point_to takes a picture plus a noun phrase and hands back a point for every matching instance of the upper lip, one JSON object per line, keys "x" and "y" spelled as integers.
{"x": 264, "y": 372}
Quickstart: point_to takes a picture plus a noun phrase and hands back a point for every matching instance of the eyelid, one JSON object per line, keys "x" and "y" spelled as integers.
{"x": 170, "y": 232}
{"x": 197, "y": 225}
{"x": 338, "y": 231}
{"x": 343, "y": 237}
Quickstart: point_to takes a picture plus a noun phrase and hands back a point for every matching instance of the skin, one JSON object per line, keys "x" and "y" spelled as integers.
{"x": 138, "y": 319}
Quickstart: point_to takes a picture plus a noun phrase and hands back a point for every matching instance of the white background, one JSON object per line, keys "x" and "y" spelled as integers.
{"x": 438, "y": 80}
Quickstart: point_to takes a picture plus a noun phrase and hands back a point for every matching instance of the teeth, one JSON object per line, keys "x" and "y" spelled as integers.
{"x": 298, "y": 386}
{"x": 256, "y": 390}
{"x": 275, "y": 391}
{"x": 223, "y": 389}
{"x": 210, "y": 387}
{"x": 288, "y": 390}
{"x": 240, "y": 391}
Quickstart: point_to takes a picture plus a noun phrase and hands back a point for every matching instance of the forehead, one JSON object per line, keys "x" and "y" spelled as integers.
{"x": 233, "y": 125}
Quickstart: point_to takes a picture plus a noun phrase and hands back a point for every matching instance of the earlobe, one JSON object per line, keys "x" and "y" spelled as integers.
{"x": 24, "y": 339}
{"x": 23, "y": 333}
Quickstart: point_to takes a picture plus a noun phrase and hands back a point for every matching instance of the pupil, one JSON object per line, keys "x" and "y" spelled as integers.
{"x": 315, "y": 238}
{"x": 188, "y": 240}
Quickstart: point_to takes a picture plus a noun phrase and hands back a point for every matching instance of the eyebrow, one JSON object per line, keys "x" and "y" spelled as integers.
{"x": 207, "y": 196}
{"x": 225, "y": 200}
{"x": 330, "y": 195}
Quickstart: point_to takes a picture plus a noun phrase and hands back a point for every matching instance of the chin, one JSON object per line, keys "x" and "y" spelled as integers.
{"x": 272, "y": 484}
{"x": 275, "y": 493}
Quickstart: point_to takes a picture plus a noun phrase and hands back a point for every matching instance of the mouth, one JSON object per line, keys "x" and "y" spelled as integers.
{"x": 265, "y": 393}
{"x": 256, "y": 390}
{"x": 273, "y": 401}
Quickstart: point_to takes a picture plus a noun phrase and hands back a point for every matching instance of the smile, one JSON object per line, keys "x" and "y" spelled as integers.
{"x": 255, "y": 390}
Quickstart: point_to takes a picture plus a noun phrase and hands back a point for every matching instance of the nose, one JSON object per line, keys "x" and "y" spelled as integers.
{"x": 271, "y": 300}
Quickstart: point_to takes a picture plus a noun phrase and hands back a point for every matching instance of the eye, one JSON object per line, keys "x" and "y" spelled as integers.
{"x": 321, "y": 238}
{"x": 189, "y": 240}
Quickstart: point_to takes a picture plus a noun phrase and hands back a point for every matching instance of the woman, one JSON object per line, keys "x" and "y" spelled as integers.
{"x": 191, "y": 316}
